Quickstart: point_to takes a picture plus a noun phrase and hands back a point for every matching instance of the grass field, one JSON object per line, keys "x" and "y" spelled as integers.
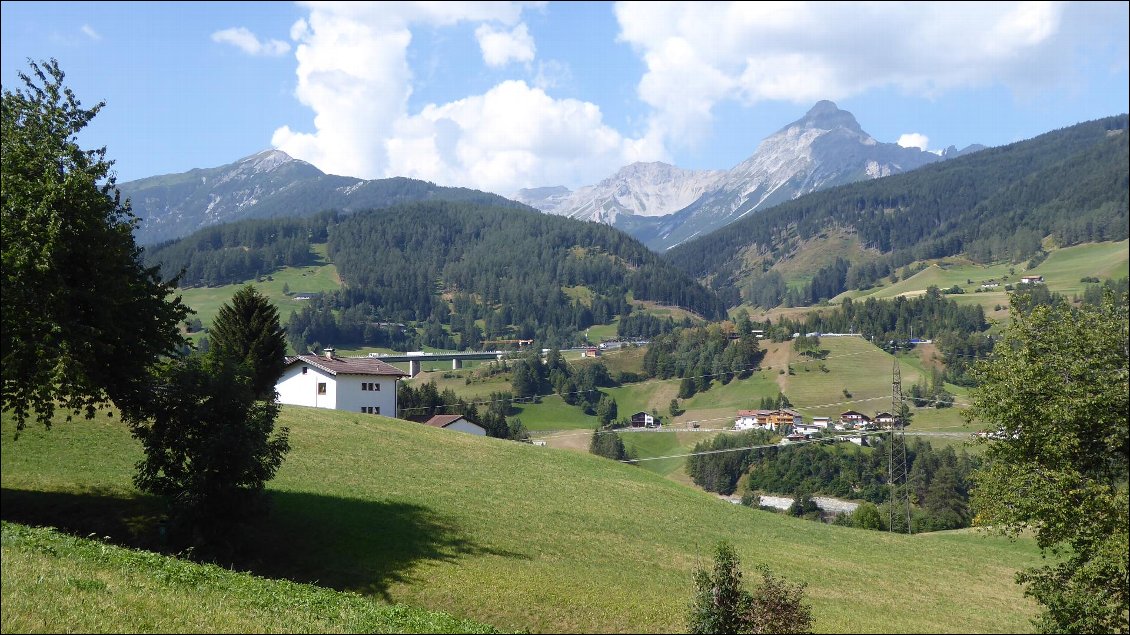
{"x": 507, "y": 534}
{"x": 1062, "y": 271}
{"x": 206, "y": 301}
{"x": 116, "y": 590}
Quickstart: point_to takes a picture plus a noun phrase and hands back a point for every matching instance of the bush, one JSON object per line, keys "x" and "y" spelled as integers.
{"x": 722, "y": 605}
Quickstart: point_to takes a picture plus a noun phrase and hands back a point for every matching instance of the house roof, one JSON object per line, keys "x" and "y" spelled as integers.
{"x": 442, "y": 421}
{"x": 754, "y": 413}
{"x": 348, "y": 365}
{"x": 641, "y": 412}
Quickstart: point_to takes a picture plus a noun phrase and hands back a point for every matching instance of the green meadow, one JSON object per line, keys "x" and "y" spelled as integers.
{"x": 206, "y": 301}
{"x": 512, "y": 535}
{"x": 1062, "y": 271}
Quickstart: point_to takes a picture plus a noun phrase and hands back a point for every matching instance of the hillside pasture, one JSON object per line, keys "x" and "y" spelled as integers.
{"x": 503, "y": 533}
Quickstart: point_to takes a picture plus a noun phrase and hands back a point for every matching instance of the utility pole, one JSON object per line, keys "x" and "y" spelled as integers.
{"x": 896, "y": 453}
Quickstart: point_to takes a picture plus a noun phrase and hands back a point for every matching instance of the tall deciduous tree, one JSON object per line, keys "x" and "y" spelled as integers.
{"x": 247, "y": 331}
{"x": 82, "y": 318}
{"x": 1056, "y": 391}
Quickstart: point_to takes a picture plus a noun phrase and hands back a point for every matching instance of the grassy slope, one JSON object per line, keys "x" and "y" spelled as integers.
{"x": 528, "y": 537}
{"x": 1062, "y": 271}
{"x": 112, "y": 590}
{"x": 206, "y": 301}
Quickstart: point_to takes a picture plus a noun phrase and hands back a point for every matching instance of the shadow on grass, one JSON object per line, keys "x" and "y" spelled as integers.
{"x": 340, "y": 543}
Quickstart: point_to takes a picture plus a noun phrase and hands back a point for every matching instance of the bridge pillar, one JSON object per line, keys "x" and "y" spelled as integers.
{"x": 413, "y": 367}
{"x": 456, "y": 364}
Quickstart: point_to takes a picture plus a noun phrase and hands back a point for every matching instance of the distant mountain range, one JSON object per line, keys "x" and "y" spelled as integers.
{"x": 660, "y": 204}
{"x": 267, "y": 185}
{"x": 664, "y": 205}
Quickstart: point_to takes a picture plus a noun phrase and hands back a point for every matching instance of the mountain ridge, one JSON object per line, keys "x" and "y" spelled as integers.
{"x": 268, "y": 184}
{"x": 824, "y": 148}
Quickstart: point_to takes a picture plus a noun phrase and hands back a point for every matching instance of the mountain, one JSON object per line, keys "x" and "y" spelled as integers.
{"x": 265, "y": 185}
{"x": 639, "y": 189}
{"x": 663, "y": 205}
{"x": 456, "y": 268}
{"x": 1068, "y": 186}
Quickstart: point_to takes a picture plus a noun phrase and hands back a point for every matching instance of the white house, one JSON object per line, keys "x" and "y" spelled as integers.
{"x": 808, "y": 428}
{"x": 824, "y": 423}
{"x": 457, "y": 423}
{"x": 643, "y": 420}
{"x": 357, "y": 384}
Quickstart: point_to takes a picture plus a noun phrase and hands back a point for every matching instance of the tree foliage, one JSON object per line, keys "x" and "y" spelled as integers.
{"x": 82, "y": 317}
{"x": 1056, "y": 395}
{"x": 208, "y": 444}
{"x": 722, "y": 605}
{"x": 247, "y": 330}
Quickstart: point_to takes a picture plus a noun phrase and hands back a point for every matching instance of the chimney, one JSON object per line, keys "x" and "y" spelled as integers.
{"x": 329, "y": 353}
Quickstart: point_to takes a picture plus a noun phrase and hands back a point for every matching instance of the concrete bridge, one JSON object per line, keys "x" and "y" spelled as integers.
{"x": 414, "y": 358}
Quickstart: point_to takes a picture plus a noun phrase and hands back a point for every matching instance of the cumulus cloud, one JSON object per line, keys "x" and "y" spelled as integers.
{"x": 914, "y": 140}
{"x": 803, "y": 52}
{"x": 354, "y": 74}
{"x": 246, "y": 41}
{"x": 501, "y": 47}
{"x": 512, "y": 136}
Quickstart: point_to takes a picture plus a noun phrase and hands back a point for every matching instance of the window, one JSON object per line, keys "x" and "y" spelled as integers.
{"x": 374, "y": 386}
{"x": 368, "y": 385}
{"x": 364, "y": 386}
{"x": 304, "y": 369}
{"x": 321, "y": 388}
{"x": 377, "y": 410}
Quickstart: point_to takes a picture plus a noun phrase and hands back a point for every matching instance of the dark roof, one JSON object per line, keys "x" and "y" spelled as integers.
{"x": 442, "y": 421}
{"x": 348, "y": 365}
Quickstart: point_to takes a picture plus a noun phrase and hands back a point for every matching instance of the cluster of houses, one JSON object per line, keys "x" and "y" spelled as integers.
{"x": 791, "y": 423}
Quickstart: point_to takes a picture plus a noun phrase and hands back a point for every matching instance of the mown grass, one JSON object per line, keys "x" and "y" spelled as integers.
{"x": 87, "y": 585}
{"x": 507, "y": 534}
{"x": 206, "y": 301}
{"x": 1062, "y": 270}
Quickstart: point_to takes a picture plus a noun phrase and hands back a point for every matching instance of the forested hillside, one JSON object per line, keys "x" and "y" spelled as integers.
{"x": 998, "y": 204}
{"x": 464, "y": 272}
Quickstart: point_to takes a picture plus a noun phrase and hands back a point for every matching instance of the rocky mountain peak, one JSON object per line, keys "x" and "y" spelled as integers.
{"x": 825, "y": 115}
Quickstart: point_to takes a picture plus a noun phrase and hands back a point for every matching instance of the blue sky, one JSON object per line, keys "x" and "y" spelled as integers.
{"x": 499, "y": 96}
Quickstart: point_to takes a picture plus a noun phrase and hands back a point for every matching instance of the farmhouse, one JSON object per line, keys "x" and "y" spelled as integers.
{"x": 885, "y": 419}
{"x": 767, "y": 419}
{"x": 823, "y": 423}
{"x": 643, "y": 420}
{"x": 457, "y": 423}
{"x": 591, "y": 351}
{"x": 852, "y": 419}
{"x": 358, "y": 384}
{"x": 808, "y": 429}
{"x": 1031, "y": 279}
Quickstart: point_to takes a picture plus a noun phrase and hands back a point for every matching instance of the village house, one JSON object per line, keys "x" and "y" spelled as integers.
{"x": 767, "y": 419}
{"x": 885, "y": 419}
{"x": 808, "y": 429}
{"x": 852, "y": 420}
{"x": 357, "y": 384}
{"x": 457, "y": 423}
{"x": 643, "y": 420}
{"x": 1031, "y": 279}
{"x": 824, "y": 423}
{"x": 591, "y": 351}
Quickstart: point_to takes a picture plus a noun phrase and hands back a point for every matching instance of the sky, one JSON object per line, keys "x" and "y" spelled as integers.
{"x": 500, "y": 96}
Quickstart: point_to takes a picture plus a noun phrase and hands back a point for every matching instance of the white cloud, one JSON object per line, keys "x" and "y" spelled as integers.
{"x": 697, "y": 55}
{"x": 513, "y": 136}
{"x": 246, "y": 41}
{"x": 91, "y": 33}
{"x": 354, "y": 74}
{"x": 501, "y": 47}
{"x": 914, "y": 140}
